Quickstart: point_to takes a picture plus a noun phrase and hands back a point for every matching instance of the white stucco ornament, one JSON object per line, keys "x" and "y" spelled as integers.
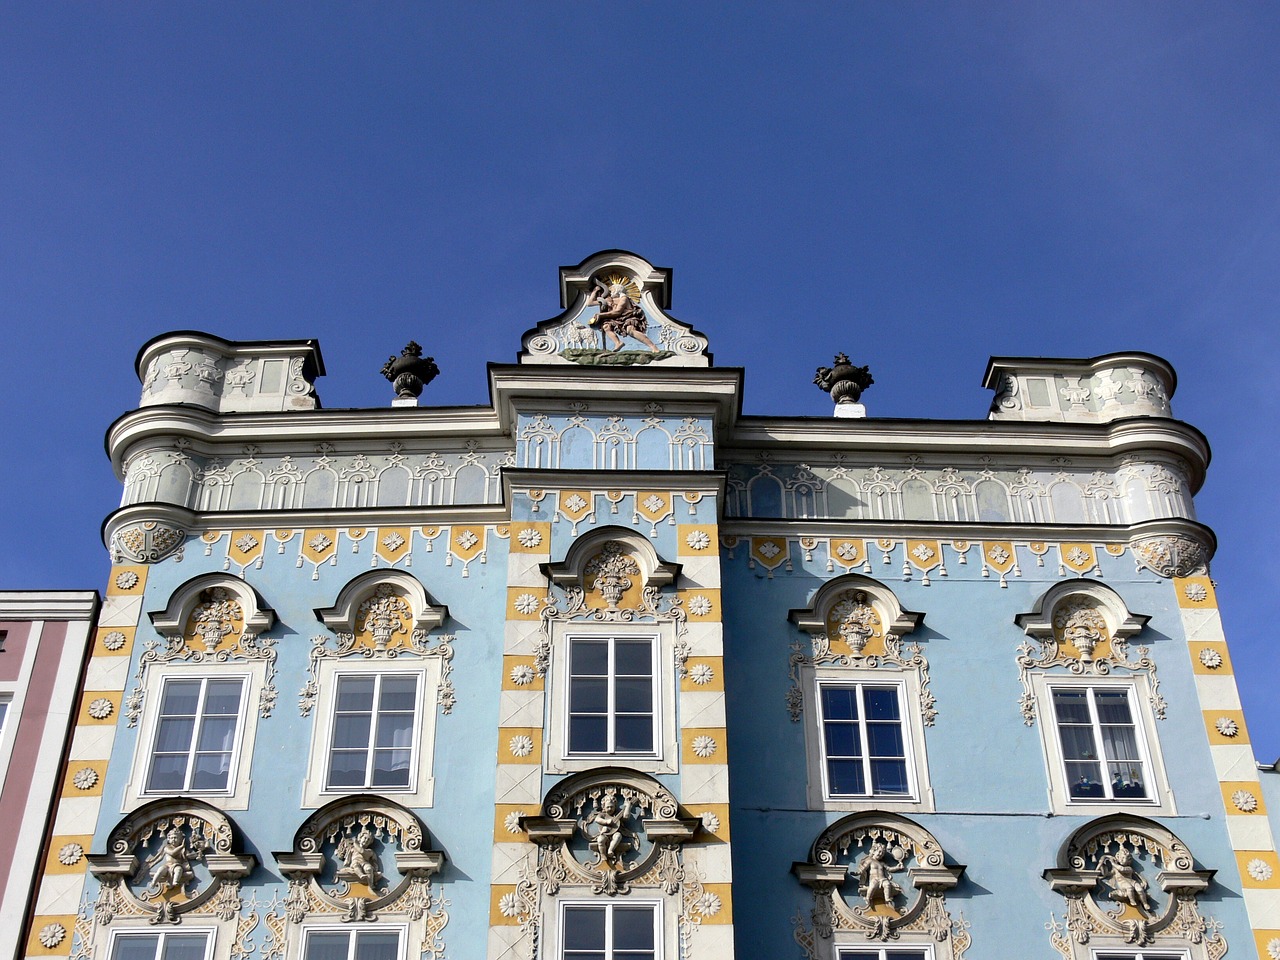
{"x": 708, "y": 905}
{"x": 508, "y": 905}
{"x": 85, "y": 778}
{"x": 575, "y": 503}
{"x": 769, "y": 549}
{"x": 512, "y": 821}
{"x": 700, "y": 606}
{"x": 520, "y": 746}
{"x": 1077, "y": 556}
{"x": 246, "y": 543}
{"x": 1211, "y": 658}
{"x": 70, "y": 853}
{"x": 704, "y": 746}
{"x": 126, "y": 579}
{"x": 526, "y": 603}
{"x": 113, "y": 640}
{"x": 319, "y": 543}
{"x": 653, "y": 503}
{"x": 522, "y": 675}
{"x": 701, "y": 674}
{"x": 698, "y": 540}
{"x": 1226, "y": 726}
{"x": 998, "y": 554}
{"x": 466, "y": 539}
{"x": 710, "y": 822}
{"x": 1273, "y": 948}
{"x": 52, "y": 934}
{"x": 922, "y": 553}
{"x": 1244, "y": 801}
{"x": 1195, "y": 592}
{"x": 101, "y": 708}
{"x": 529, "y": 537}
{"x": 393, "y": 541}
{"x": 1259, "y": 869}
{"x": 847, "y": 551}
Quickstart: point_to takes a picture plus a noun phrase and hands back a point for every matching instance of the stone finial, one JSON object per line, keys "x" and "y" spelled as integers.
{"x": 409, "y": 373}
{"x": 845, "y": 383}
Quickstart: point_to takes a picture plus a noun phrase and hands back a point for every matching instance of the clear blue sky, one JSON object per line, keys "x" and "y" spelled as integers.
{"x": 921, "y": 185}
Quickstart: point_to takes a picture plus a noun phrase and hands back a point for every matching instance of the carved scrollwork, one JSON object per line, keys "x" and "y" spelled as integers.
{"x": 1172, "y": 556}
{"x": 169, "y": 858}
{"x": 899, "y": 882}
{"x": 1133, "y": 881}
{"x": 146, "y": 541}
{"x": 358, "y": 856}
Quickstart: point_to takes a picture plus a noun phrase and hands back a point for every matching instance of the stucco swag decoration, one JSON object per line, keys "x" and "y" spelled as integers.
{"x": 858, "y": 623}
{"x": 1130, "y": 880}
{"x": 215, "y": 618}
{"x": 167, "y": 859}
{"x": 357, "y": 858}
{"x": 611, "y": 576}
{"x": 383, "y": 614}
{"x": 1082, "y": 627}
{"x": 880, "y": 876}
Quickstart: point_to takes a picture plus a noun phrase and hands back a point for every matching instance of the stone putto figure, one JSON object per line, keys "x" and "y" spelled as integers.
{"x": 614, "y": 838}
{"x": 171, "y": 865}
{"x": 875, "y": 876}
{"x": 1127, "y": 885}
{"x": 360, "y": 862}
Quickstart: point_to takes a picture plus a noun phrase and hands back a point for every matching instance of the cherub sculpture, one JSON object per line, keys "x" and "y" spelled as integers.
{"x": 875, "y": 876}
{"x": 171, "y": 865}
{"x": 360, "y": 862}
{"x": 1127, "y": 885}
{"x": 618, "y": 316}
{"x": 613, "y": 837}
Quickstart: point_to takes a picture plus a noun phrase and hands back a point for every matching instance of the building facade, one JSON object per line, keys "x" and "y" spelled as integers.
{"x": 606, "y": 670}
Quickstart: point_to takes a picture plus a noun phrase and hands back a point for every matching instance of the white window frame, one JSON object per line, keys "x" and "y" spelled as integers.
{"x": 920, "y": 798}
{"x": 118, "y": 933}
{"x": 204, "y": 679}
{"x": 299, "y": 948}
{"x": 421, "y": 790}
{"x": 1161, "y": 801}
{"x": 253, "y": 676}
{"x": 900, "y": 688}
{"x": 1158, "y": 953}
{"x": 655, "y": 704}
{"x": 666, "y": 752}
{"x": 379, "y": 677}
{"x": 882, "y": 953}
{"x": 663, "y": 930}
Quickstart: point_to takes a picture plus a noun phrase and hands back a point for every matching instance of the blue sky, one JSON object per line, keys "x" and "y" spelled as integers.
{"x": 920, "y": 185}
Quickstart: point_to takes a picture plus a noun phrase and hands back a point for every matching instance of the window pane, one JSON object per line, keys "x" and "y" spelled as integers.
{"x": 1085, "y": 780}
{"x": 633, "y": 696}
{"x": 183, "y": 946}
{"x": 633, "y": 928}
{"x": 351, "y": 730}
{"x": 1113, "y": 706}
{"x": 399, "y": 693}
{"x": 584, "y": 928}
{"x": 840, "y": 703}
{"x": 889, "y": 776}
{"x": 395, "y": 730}
{"x": 589, "y": 734}
{"x": 1071, "y": 706}
{"x": 181, "y": 698}
{"x": 217, "y": 733}
{"x": 633, "y": 658}
{"x": 884, "y": 740}
{"x": 377, "y": 946}
{"x": 881, "y": 702}
{"x": 136, "y": 947}
{"x": 355, "y": 694}
{"x": 168, "y": 772}
{"x": 588, "y": 696}
{"x": 346, "y": 768}
{"x": 633, "y": 734}
{"x": 1121, "y": 743}
{"x": 174, "y": 735}
{"x": 327, "y": 946}
{"x": 842, "y": 740}
{"x": 1078, "y": 743}
{"x": 391, "y": 768}
{"x": 211, "y": 771}
{"x": 589, "y": 658}
{"x": 222, "y": 698}
{"x": 1127, "y": 781}
{"x": 845, "y": 778}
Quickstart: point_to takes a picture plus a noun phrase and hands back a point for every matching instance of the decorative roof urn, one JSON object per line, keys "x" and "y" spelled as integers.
{"x": 845, "y": 383}
{"x": 409, "y": 373}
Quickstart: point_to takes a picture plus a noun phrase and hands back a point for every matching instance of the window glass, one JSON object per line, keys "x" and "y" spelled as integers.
{"x": 1100, "y": 748}
{"x": 196, "y": 731}
{"x": 160, "y": 946}
{"x": 612, "y": 696}
{"x": 864, "y": 743}
{"x": 352, "y": 945}
{"x": 609, "y": 932}
{"x": 892, "y": 953}
{"x": 372, "y": 742}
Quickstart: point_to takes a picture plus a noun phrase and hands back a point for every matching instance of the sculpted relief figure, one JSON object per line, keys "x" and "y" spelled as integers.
{"x": 360, "y": 862}
{"x": 1127, "y": 885}
{"x": 614, "y": 838}
{"x": 619, "y": 315}
{"x": 171, "y": 865}
{"x": 875, "y": 877}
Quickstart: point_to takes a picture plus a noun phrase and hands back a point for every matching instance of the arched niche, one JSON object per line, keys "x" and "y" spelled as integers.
{"x": 201, "y": 596}
{"x": 1130, "y": 881}
{"x": 880, "y": 876}
{"x": 357, "y": 608}
{"x": 612, "y": 569}
{"x": 1081, "y": 607}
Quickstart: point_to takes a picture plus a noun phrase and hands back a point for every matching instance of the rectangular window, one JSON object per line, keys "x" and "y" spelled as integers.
{"x": 196, "y": 735}
{"x": 351, "y": 945}
{"x": 612, "y": 696}
{"x": 161, "y": 945}
{"x": 864, "y": 747}
{"x": 609, "y": 932}
{"x": 372, "y": 741}
{"x": 1101, "y": 743}
{"x": 886, "y": 953}
{"x": 1133, "y": 955}
{"x": 4, "y": 713}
